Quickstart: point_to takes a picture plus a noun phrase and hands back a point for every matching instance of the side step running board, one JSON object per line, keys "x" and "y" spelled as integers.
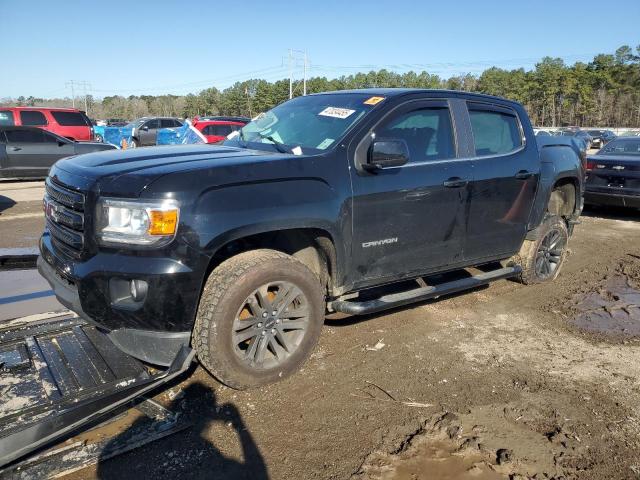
{"x": 424, "y": 293}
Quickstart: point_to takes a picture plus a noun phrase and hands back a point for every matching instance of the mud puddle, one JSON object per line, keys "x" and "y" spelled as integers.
{"x": 613, "y": 310}
{"x": 440, "y": 460}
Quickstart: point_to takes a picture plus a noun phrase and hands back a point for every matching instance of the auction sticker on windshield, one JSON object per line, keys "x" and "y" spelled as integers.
{"x": 373, "y": 100}
{"x": 336, "y": 112}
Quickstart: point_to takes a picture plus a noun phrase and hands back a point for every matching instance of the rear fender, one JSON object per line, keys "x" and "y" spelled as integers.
{"x": 559, "y": 163}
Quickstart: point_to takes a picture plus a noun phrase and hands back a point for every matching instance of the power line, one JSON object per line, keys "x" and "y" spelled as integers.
{"x": 192, "y": 84}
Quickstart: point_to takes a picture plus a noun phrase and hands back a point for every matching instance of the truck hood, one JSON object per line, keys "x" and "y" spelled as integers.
{"x": 129, "y": 172}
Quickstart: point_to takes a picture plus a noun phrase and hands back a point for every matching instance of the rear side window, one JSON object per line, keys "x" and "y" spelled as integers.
{"x": 71, "y": 119}
{"x": 427, "y": 131}
{"x": 217, "y": 130}
{"x": 169, "y": 123}
{"x": 6, "y": 117}
{"x": 495, "y": 131}
{"x": 32, "y": 118}
{"x": 25, "y": 136}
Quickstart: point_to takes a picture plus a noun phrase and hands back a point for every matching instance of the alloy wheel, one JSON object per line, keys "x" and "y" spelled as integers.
{"x": 270, "y": 325}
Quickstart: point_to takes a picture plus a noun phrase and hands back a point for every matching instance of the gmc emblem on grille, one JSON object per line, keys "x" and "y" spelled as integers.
{"x": 50, "y": 211}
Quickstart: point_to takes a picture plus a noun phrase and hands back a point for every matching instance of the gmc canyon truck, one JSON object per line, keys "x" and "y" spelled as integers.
{"x": 352, "y": 201}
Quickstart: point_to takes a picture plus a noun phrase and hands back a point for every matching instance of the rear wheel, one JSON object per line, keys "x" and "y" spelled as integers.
{"x": 542, "y": 259}
{"x": 260, "y": 316}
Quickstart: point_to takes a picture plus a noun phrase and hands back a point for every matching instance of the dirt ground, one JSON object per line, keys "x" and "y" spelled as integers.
{"x": 503, "y": 382}
{"x": 21, "y": 217}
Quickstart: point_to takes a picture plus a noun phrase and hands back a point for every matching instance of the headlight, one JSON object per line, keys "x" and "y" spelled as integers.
{"x": 134, "y": 222}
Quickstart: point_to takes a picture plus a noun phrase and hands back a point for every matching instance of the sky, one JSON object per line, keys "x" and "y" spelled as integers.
{"x": 161, "y": 46}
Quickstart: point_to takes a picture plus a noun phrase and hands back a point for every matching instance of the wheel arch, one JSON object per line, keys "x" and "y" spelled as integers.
{"x": 313, "y": 246}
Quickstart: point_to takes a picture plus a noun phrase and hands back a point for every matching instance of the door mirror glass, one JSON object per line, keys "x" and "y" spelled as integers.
{"x": 145, "y": 128}
{"x": 386, "y": 153}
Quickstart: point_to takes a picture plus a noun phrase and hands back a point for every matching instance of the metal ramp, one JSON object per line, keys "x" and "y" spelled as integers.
{"x": 57, "y": 375}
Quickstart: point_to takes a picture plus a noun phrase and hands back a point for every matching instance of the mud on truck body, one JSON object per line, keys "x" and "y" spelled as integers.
{"x": 353, "y": 202}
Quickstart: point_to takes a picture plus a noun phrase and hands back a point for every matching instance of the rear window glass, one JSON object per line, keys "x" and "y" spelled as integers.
{"x": 32, "y": 118}
{"x": 217, "y": 130}
{"x": 495, "y": 132}
{"x": 622, "y": 147}
{"x": 6, "y": 117}
{"x": 70, "y": 119}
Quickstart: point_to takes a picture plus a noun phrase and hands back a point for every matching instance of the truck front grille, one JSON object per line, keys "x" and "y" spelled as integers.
{"x": 64, "y": 213}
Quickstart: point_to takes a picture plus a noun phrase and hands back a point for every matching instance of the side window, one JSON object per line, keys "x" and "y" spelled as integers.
{"x": 6, "y": 117}
{"x": 427, "y": 131}
{"x": 32, "y": 118}
{"x": 177, "y": 123}
{"x": 48, "y": 138}
{"x": 168, "y": 123}
{"x": 495, "y": 132}
{"x": 25, "y": 136}
{"x": 71, "y": 119}
{"x": 155, "y": 123}
{"x": 223, "y": 130}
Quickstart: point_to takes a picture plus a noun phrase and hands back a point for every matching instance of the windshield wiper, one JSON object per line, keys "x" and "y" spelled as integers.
{"x": 279, "y": 145}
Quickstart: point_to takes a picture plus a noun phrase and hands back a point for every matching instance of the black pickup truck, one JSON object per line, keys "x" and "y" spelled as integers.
{"x": 353, "y": 201}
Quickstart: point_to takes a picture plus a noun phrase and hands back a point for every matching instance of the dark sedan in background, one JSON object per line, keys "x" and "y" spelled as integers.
{"x": 600, "y": 137}
{"x": 613, "y": 174}
{"x": 29, "y": 152}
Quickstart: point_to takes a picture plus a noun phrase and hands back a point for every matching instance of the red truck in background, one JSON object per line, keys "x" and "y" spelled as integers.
{"x": 216, "y": 129}
{"x": 66, "y": 122}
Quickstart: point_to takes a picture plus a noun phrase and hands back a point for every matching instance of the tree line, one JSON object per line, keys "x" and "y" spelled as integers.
{"x": 602, "y": 92}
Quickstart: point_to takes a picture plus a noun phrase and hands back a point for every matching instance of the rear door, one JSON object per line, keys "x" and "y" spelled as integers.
{"x": 31, "y": 152}
{"x": 33, "y": 118}
{"x": 410, "y": 219}
{"x": 505, "y": 178}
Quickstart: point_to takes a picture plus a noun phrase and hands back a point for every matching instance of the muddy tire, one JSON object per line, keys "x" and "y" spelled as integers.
{"x": 259, "y": 318}
{"x": 542, "y": 259}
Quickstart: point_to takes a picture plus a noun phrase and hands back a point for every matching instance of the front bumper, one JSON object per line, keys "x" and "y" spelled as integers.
{"x": 611, "y": 199}
{"x": 155, "y": 329}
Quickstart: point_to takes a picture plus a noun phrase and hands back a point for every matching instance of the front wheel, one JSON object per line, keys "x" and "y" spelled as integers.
{"x": 260, "y": 316}
{"x": 542, "y": 259}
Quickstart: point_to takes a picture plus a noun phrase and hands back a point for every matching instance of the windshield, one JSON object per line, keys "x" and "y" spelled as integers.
{"x": 305, "y": 124}
{"x": 135, "y": 123}
{"x": 622, "y": 147}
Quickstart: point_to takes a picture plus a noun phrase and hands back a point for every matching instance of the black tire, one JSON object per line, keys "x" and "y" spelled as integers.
{"x": 225, "y": 299}
{"x": 98, "y": 138}
{"x": 542, "y": 259}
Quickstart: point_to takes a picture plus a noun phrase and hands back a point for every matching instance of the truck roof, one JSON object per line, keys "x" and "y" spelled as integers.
{"x": 397, "y": 92}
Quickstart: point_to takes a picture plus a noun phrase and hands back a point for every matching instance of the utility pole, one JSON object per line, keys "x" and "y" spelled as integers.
{"x": 295, "y": 57}
{"x": 304, "y": 81}
{"x": 290, "y": 74}
{"x": 85, "y": 85}
{"x": 73, "y": 95}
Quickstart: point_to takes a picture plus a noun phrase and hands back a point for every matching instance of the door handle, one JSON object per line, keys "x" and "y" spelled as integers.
{"x": 523, "y": 175}
{"x": 455, "y": 182}
{"x": 15, "y": 149}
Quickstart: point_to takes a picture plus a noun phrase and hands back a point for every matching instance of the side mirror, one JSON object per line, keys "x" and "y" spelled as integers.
{"x": 387, "y": 153}
{"x": 61, "y": 143}
{"x": 145, "y": 128}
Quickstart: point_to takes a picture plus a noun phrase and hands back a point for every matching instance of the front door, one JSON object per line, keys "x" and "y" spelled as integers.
{"x": 32, "y": 151}
{"x": 149, "y": 132}
{"x": 410, "y": 219}
{"x": 505, "y": 178}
